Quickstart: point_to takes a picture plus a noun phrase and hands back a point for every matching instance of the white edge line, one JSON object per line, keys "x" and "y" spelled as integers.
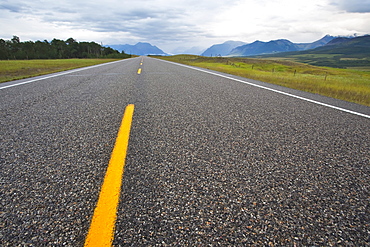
{"x": 273, "y": 90}
{"x": 60, "y": 74}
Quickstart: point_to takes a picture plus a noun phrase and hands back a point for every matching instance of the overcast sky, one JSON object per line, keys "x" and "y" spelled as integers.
{"x": 170, "y": 24}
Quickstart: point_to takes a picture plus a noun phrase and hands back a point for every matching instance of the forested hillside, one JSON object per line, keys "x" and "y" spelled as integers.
{"x": 55, "y": 49}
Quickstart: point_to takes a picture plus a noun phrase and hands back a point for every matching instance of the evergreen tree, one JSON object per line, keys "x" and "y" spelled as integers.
{"x": 56, "y": 49}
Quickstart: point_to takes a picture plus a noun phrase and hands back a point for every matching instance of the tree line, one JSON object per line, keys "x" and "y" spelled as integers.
{"x": 55, "y": 49}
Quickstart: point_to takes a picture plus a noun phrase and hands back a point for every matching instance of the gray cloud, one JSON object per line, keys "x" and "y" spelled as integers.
{"x": 354, "y": 6}
{"x": 144, "y": 22}
{"x": 14, "y": 6}
{"x": 179, "y": 22}
{"x": 10, "y": 7}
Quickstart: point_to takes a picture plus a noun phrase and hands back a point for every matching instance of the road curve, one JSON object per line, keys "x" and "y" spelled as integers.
{"x": 211, "y": 161}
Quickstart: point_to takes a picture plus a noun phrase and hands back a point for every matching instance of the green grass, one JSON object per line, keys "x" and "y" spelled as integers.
{"x": 328, "y": 60}
{"x": 20, "y": 69}
{"x": 345, "y": 84}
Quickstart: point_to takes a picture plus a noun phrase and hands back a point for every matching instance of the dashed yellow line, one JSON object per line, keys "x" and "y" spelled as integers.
{"x": 101, "y": 232}
{"x": 141, "y": 63}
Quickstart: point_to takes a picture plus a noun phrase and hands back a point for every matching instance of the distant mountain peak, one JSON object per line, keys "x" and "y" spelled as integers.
{"x": 233, "y": 42}
{"x": 144, "y": 43}
{"x": 140, "y": 48}
{"x": 222, "y": 49}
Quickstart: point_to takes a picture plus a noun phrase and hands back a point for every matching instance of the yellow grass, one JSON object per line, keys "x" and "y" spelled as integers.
{"x": 20, "y": 69}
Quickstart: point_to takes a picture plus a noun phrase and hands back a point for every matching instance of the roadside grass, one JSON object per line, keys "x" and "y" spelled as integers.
{"x": 345, "y": 84}
{"x": 20, "y": 69}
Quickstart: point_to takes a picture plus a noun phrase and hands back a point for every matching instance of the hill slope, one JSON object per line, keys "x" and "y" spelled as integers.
{"x": 347, "y": 46}
{"x": 321, "y": 42}
{"x": 259, "y": 47}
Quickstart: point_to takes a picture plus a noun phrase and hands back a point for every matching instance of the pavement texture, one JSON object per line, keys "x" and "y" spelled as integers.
{"x": 211, "y": 161}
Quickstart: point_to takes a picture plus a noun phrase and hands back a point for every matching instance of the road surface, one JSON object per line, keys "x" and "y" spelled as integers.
{"x": 212, "y": 161}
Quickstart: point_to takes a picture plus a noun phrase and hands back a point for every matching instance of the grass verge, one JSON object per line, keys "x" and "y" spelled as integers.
{"x": 20, "y": 69}
{"x": 344, "y": 84}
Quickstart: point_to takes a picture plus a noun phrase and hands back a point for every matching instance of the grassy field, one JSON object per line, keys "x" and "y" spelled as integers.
{"x": 328, "y": 60}
{"x": 20, "y": 69}
{"x": 342, "y": 57}
{"x": 345, "y": 84}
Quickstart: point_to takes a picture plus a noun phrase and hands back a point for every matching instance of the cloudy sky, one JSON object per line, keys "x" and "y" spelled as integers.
{"x": 170, "y": 24}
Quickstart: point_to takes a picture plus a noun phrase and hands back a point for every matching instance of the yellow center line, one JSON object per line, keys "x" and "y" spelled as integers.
{"x": 139, "y": 71}
{"x": 101, "y": 232}
{"x": 141, "y": 63}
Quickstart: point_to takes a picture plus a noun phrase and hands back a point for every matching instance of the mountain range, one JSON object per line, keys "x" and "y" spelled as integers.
{"x": 353, "y": 47}
{"x": 341, "y": 52}
{"x": 141, "y": 49}
{"x": 347, "y": 46}
{"x": 276, "y": 46}
{"x": 223, "y": 49}
{"x": 242, "y": 49}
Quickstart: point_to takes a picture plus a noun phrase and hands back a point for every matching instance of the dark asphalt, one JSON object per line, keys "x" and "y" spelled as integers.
{"x": 211, "y": 161}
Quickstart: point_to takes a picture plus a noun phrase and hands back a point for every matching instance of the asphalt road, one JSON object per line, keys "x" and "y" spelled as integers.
{"x": 211, "y": 162}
